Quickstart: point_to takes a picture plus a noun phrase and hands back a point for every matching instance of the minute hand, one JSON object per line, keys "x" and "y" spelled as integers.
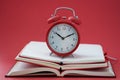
{"x": 69, "y": 35}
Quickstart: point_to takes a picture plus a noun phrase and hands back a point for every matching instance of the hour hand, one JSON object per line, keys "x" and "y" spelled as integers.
{"x": 69, "y": 35}
{"x": 59, "y": 36}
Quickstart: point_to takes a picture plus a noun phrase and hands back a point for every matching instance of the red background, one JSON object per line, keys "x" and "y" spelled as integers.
{"x": 22, "y": 21}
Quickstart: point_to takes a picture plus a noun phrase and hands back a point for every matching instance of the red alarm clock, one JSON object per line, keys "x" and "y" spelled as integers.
{"x": 63, "y": 37}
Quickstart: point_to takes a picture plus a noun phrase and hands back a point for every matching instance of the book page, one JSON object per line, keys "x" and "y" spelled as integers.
{"x": 38, "y": 62}
{"x": 106, "y": 72}
{"x": 26, "y": 69}
{"x": 85, "y": 53}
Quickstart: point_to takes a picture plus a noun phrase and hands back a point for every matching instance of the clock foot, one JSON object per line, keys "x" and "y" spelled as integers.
{"x": 64, "y": 57}
{"x": 70, "y": 56}
{"x": 51, "y": 53}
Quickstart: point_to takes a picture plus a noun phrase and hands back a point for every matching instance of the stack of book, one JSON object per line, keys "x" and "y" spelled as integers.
{"x": 35, "y": 59}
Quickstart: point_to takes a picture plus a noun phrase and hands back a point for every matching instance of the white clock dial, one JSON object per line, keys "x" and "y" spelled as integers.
{"x": 63, "y": 38}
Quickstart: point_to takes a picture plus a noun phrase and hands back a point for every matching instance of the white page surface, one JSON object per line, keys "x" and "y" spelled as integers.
{"x": 85, "y": 53}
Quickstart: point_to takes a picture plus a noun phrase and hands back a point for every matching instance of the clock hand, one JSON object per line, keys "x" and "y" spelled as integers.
{"x": 60, "y": 36}
{"x": 69, "y": 35}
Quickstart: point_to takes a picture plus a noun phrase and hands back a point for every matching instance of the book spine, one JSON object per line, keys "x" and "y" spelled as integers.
{"x": 60, "y": 69}
{"x": 61, "y": 63}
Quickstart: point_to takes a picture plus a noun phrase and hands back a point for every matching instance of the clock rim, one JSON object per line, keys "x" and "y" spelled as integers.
{"x": 58, "y": 53}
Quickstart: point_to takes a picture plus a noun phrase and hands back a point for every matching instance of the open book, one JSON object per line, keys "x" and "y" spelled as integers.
{"x": 26, "y": 69}
{"x": 63, "y": 66}
{"x": 87, "y": 56}
{"x": 85, "y": 53}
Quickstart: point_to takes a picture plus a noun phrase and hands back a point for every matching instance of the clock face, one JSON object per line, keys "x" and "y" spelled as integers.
{"x": 62, "y": 38}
